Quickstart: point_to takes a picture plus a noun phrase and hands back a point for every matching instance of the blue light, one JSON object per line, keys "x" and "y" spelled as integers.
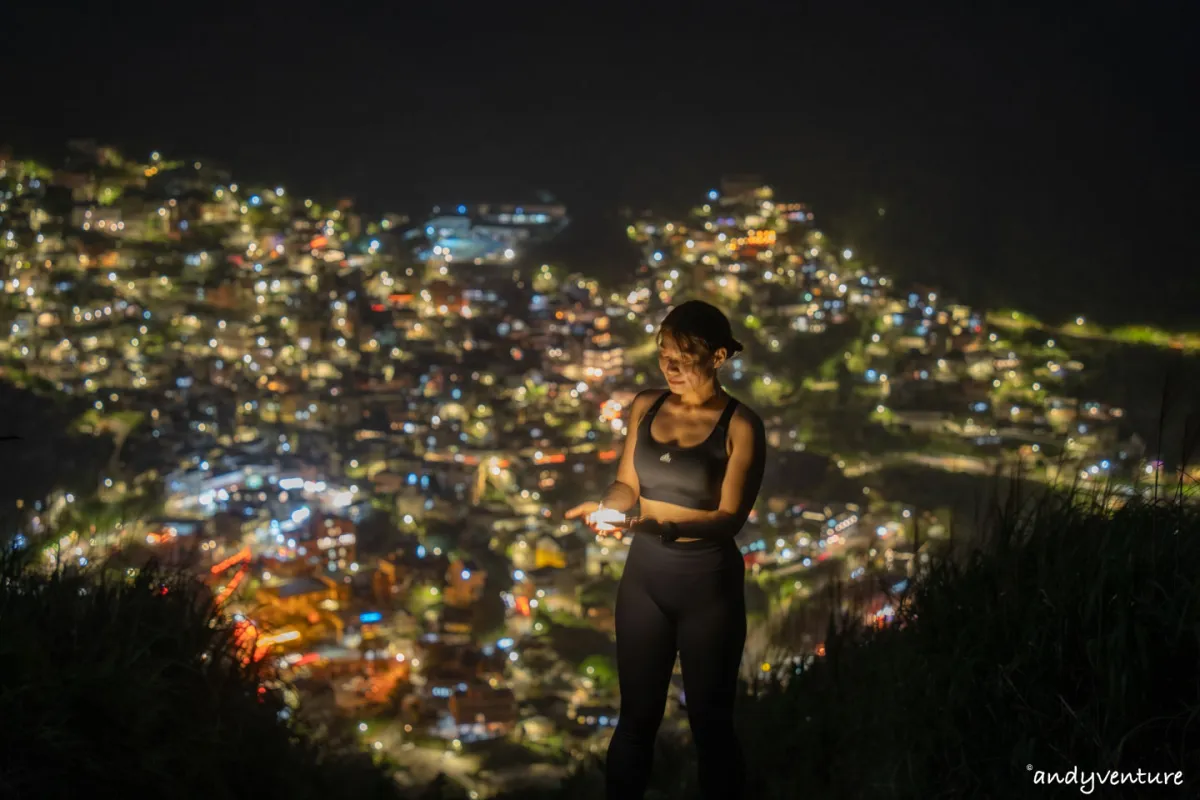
{"x": 504, "y": 643}
{"x": 658, "y": 256}
{"x": 466, "y": 574}
{"x": 518, "y": 575}
{"x": 1104, "y": 464}
{"x": 429, "y": 231}
{"x": 412, "y": 479}
{"x": 420, "y": 551}
{"x": 375, "y": 243}
{"x": 712, "y": 194}
{"x": 255, "y": 200}
{"x": 462, "y": 209}
{"x": 369, "y": 617}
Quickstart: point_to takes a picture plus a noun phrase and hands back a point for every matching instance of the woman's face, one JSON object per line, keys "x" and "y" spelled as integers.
{"x": 686, "y": 372}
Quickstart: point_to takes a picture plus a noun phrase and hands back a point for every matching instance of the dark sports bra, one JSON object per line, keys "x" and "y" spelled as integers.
{"x": 684, "y": 476}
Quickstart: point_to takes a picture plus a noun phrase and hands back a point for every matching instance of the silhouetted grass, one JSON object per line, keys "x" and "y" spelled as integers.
{"x": 1071, "y": 638}
{"x": 136, "y": 689}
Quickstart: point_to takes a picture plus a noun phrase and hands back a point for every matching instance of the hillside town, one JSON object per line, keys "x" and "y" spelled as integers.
{"x": 360, "y": 431}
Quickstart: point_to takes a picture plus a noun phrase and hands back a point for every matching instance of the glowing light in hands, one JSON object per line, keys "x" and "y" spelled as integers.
{"x": 606, "y": 519}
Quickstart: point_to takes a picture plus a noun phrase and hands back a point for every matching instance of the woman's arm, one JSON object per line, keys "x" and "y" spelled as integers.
{"x": 623, "y": 493}
{"x": 739, "y": 490}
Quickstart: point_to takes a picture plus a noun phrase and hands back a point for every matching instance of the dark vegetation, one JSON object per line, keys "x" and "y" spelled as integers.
{"x": 116, "y": 687}
{"x": 1070, "y": 637}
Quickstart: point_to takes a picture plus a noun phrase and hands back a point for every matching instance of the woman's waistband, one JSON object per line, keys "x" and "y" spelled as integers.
{"x": 650, "y": 541}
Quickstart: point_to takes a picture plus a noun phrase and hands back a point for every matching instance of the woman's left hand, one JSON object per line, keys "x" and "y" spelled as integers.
{"x": 649, "y": 526}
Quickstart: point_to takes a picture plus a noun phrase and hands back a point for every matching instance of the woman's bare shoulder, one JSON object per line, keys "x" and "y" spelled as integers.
{"x": 745, "y": 420}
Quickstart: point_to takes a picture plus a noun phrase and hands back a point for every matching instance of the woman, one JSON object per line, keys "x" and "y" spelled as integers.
{"x": 694, "y": 460}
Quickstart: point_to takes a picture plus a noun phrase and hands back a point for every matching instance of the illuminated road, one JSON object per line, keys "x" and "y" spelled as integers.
{"x": 1081, "y": 332}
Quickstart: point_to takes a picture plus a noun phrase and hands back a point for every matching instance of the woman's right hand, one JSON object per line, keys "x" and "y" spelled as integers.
{"x": 583, "y": 510}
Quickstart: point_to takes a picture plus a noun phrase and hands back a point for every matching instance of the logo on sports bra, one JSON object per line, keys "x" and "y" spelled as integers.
{"x": 666, "y": 457}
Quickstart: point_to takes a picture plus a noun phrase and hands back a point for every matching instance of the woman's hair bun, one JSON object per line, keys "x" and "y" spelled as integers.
{"x": 735, "y": 346}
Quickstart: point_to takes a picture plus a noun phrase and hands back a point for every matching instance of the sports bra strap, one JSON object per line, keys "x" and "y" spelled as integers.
{"x": 727, "y": 414}
{"x": 652, "y": 410}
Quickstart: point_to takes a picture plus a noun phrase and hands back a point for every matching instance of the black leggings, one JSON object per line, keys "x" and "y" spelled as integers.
{"x": 686, "y": 598}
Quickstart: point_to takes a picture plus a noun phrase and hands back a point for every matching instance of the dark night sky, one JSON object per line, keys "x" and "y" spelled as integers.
{"x": 1044, "y": 159}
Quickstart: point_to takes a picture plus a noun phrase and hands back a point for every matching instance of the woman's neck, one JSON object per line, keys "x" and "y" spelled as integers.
{"x": 701, "y": 396}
